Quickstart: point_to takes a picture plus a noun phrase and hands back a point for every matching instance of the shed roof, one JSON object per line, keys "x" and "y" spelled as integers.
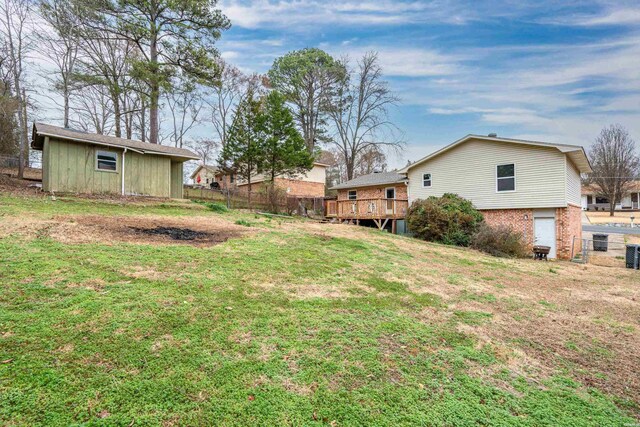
{"x": 372, "y": 179}
{"x": 40, "y": 130}
{"x": 575, "y": 152}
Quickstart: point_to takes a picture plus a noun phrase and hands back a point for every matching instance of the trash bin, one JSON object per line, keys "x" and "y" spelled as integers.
{"x": 601, "y": 242}
{"x": 632, "y": 257}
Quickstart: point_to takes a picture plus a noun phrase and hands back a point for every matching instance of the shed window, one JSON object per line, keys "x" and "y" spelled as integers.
{"x": 426, "y": 180}
{"x": 506, "y": 177}
{"x": 352, "y": 195}
{"x": 107, "y": 161}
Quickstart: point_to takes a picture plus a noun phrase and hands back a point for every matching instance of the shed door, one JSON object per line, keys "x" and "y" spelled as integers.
{"x": 545, "y": 233}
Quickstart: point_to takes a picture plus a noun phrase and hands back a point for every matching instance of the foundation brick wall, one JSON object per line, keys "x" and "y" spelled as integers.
{"x": 568, "y": 226}
{"x": 514, "y": 219}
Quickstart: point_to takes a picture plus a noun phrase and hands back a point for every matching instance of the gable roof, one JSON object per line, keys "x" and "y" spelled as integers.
{"x": 372, "y": 179}
{"x": 575, "y": 152}
{"x": 208, "y": 168}
{"x": 40, "y": 130}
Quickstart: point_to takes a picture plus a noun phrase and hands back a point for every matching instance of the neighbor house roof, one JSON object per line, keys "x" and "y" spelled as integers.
{"x": 40, "y": 130}
{"x": 633, "y": 187}
{"x": 371, "y": 180}
{"x": 208, "y": 168}
{"x": 575, "y": 152}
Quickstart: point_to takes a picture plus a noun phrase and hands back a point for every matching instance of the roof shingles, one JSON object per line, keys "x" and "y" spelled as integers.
{"x": 41, "y": 129}
{"x": 372, "y": 179}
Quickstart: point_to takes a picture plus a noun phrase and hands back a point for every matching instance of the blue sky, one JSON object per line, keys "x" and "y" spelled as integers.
{"x": 546, "y": 70}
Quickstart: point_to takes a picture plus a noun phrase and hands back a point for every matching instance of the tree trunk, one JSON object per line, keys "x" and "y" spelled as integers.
{"x": 612, "y": 208}
{"x": 155, "y": 88}
{"x": 65, "y": 120}
{"x": 117, "y": 114}
{"x": 249, "y": 192}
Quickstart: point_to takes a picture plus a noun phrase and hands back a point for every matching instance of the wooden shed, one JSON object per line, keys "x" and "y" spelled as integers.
{"x": 82, "y": 162}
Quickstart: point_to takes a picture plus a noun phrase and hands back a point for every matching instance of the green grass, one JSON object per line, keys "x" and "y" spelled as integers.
{"x": 123, "y": 334}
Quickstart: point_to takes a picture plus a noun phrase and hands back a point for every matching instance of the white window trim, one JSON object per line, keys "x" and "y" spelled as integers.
{"x": 349, "y": 196}
{"x": 515, "y": 172}
{"x": 98, "y": 152}
{"x": 394, "y": 192}
{"x": 430, "y": 180}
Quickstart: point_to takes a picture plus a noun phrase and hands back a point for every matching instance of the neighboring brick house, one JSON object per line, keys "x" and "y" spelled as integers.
{"x": 531, "y": 186}
{"x": 310, "y": 184}
{"x": 380, "y": 198}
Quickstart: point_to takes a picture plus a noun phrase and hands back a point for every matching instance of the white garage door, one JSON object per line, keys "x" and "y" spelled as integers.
{"x": 545, "y": 233}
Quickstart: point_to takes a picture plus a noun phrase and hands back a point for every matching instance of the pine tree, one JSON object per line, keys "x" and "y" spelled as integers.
{"x": 284, "y": 150}
{"x": 242, "y": 154}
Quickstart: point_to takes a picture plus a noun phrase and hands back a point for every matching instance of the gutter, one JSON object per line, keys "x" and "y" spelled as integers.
{"x": 123, "y": 157}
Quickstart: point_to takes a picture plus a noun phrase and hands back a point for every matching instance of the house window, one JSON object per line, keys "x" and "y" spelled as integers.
{"x": 231, "y": 179}
{"x": 352, "y": 195}
{"x": 207, "y": 180}
{"x": 426, "y": 180}
{"x": 390, "y": 193}
{"x": 506, "y": 177}
{"x": 107, "y": 161}
{"x": 601, "y": 200}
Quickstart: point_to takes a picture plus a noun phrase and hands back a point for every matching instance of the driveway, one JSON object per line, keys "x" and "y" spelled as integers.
{"x": 609, "y": 229}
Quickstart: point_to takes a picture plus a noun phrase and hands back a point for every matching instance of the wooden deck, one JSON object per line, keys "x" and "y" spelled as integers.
{"x": 378, "y": 210}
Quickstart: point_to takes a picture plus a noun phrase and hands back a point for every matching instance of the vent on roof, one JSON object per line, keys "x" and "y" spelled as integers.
{"x": 493, "y": 135}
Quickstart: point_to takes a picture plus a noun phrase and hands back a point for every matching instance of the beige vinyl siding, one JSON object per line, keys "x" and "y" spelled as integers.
{"x": 469, "y": 170}
{"x": 573, "y": 184}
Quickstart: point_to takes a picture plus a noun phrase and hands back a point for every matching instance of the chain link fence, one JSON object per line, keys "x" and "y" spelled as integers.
{"x": 608, "y": 250}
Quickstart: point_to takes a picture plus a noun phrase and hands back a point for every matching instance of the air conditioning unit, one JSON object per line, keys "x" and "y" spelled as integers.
{"x": 632, "y": 257}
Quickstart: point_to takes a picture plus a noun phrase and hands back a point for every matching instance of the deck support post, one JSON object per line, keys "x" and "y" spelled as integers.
{"x": 384, "y": 224}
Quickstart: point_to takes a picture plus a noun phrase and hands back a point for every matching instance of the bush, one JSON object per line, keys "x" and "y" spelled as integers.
{"x": 217, "y": 207}
{"x": 449, "y": 219}
{"x": 275, "y": 197}
{"x": 499, "y": 241}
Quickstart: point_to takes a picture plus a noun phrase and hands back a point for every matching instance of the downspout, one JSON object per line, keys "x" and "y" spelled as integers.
{"x": 123, "y": 157}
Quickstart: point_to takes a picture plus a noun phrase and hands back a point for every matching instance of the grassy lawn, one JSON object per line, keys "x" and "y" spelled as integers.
{"x": 291, "y": 322}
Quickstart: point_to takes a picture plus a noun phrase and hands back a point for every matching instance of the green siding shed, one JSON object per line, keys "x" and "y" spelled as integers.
{"x": 79, "y": 162}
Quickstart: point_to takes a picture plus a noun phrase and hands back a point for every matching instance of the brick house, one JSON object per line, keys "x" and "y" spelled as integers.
{"x": 379, "y": 198}
{"x": 530, "y": 186}
{"x": 311, "y": 184}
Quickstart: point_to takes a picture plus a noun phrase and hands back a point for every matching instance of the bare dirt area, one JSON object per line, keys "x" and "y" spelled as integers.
{"x": 193, "y": 230}
{"x": 14, "y": 186}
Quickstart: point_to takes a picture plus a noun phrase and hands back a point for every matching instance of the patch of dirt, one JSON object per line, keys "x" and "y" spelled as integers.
{"x": 191, "y": 230}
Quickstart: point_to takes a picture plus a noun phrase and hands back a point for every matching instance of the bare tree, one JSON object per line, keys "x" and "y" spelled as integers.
{"x": 93, "y": 109}
{"x": 225, "y": 97}
{"x": 61, "y": 47}
{"x": 185, "y": 105}
{"x": 360, "y": 114}
{"x": 205, "y": 148}
{"x": 106, "y": 61}
{"x": 16, "y": 17}
{"x": 371, "y": 159}
{"x": 614, "y": 162}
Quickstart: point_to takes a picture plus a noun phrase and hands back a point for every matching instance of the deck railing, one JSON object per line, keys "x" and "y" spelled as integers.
{"x": 367, "y": 208}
